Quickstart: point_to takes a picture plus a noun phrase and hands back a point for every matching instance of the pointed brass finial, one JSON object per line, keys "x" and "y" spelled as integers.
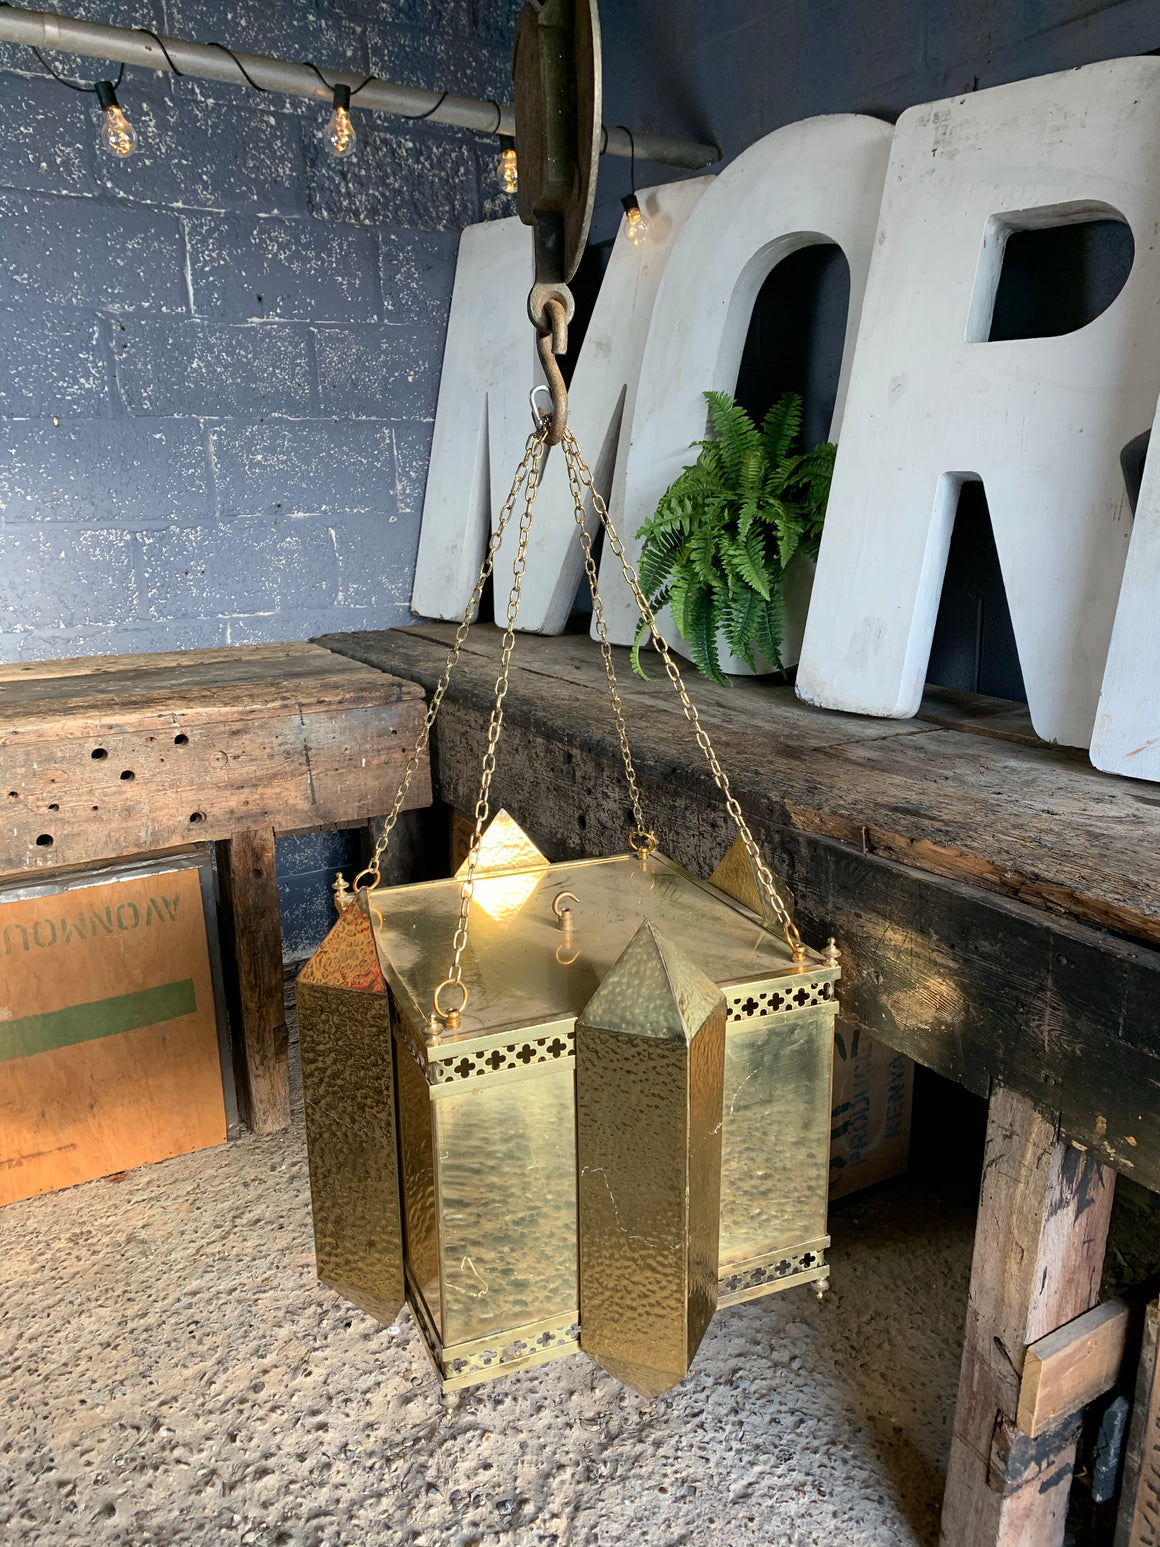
{"x": 650, "y": 1060}
{"x": 831, "y": 955}
{"x": 504, "y": 848}
{"x": 343, "y": 896}
{"x": 735, "y": 877}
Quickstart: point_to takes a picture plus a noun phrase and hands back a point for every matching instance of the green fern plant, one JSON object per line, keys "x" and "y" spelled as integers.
{"x": 717, "y": 548}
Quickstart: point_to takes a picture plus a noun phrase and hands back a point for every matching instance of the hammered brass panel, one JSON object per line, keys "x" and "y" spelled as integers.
{"x": 506, "y": 1186}
{"x": 417, "y": 1143}
{"x": 649, "y": 1068}
{"x": 775, "y": 1149}
{"x": 348, "y": 1080}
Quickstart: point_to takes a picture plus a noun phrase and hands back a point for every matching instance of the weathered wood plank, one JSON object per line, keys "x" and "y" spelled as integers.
{"x": 253, "y": 922}
{"x": 1138, "y": 1520}
{"x": 971, "y": 983}
{"x": 1039, "y": 1248}
{"x": 99, "y": 665}
{"x": 1072, "y": 1366}
{"x": 1031, "y": 821}
{"x": 199, "y": 687}
{"x": 99, "y": 785}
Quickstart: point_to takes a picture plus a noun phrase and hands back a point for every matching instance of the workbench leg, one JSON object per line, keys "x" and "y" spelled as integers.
{"x": 253, "y": 924}
{"x": 1138, "y": 1521}
{"x": 1039, "y": 1250}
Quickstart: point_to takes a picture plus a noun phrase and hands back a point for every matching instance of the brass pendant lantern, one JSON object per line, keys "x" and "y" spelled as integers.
{"x": 602, "y": 1111}
{"x": 611, "y": 1117}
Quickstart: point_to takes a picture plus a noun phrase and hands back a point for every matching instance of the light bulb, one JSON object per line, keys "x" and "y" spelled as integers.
{"x": 507, "y": 168}
{"x": 118, "y": 135}
{"x": 339, "y": 135}
{"x": 636, "y": 227}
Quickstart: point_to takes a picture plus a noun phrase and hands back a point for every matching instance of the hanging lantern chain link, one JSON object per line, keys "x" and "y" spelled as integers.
{"x": 580, "y": 479}
{"x": 640, "y": 839}
{"x": 533, "y": 452}
{"x": 483, "y": 805}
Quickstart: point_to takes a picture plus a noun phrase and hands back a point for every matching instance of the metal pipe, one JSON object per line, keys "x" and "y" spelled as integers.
{"x": 45, "y": 29}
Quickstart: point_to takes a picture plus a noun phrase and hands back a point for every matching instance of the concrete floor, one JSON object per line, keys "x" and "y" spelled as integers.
{"x": 171, "y": 1372}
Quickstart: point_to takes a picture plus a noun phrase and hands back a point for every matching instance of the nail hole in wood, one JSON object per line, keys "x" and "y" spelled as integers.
{"x": 13, "y": 794}
{"x": 197, "y": 816}
{"x": 127, "y": 773}
{"x": 256, "y": 873}
{"x": 44, "y": 841}
{"x": 181, "y": 740}
{"x": 99, "y": 753}
{"x": 53, "y": 806}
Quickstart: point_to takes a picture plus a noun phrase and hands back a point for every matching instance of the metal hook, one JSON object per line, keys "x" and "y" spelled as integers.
{"x": 540, "y": 414}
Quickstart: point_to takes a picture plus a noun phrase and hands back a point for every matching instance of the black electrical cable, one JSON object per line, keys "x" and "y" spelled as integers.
{"x": 308, "y": 64}
{"x": 64, "y": 80}
{"x": 249, "y": 79}
{"x": 415, "y": 117}
{"x": 161, "y": 45}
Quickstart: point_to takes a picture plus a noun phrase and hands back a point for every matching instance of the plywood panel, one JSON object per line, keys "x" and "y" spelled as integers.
{"x": 108, "y": 1031}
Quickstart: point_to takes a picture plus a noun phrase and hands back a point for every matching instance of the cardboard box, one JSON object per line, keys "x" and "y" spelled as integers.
{"x": 873, "y": 1096}
{"x": 110, "y": 1054}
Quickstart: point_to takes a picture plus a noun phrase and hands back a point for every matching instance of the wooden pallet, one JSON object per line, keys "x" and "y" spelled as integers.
{"x": 119, "y": 756}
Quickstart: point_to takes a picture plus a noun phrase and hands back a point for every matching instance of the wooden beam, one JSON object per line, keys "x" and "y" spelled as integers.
{"x": 133, "y": 754}
{"x": 1138, "y": 1522}
{"x": 1072, "y": 1366}
{"x": 1039, "y": 1248}
{"x": 253, "y": 926}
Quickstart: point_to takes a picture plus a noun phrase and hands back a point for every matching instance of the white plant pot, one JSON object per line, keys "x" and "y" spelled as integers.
{"x": 796, "y": 590}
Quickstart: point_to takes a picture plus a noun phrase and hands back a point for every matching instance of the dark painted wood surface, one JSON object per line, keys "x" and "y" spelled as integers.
{"x": 964, "y": 867}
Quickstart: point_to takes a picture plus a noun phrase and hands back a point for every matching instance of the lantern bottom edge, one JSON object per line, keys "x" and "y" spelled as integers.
{"x": 803, "y": 1264}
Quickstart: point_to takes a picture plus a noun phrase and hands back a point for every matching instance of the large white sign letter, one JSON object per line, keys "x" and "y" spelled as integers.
{"x": 815, "y": 181}
{"x": 1041, "y": 421}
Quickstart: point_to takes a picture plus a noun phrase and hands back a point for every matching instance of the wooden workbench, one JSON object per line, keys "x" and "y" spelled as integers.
{"x": 997, "y": 903}
{"x": 118, "y": 756}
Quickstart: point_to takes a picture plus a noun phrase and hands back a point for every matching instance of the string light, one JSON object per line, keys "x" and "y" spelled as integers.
{"x": 636, "y": 227}
{"x": 339, "y": 135}
{"x": 507, "y": 168}
{"x": 117, "y": 135}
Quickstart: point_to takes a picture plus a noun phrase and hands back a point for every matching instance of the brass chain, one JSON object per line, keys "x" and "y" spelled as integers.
{"x": 578, "y": 470}
{"x": 641, "y": 840}
{"x": 454, "y": 978}
{"x": 533, "y": 453}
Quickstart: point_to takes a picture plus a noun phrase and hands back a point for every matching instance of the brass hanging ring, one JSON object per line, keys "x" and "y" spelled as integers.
{"x": 450, "y": 1018}
{"x": 371, "y": 870}
{"x": 794, "y": 941}
{"x": 642, "y": 843}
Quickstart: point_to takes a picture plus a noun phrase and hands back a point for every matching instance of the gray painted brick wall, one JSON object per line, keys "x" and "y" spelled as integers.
{"x": 219, "y": 360}
{"x": 734, "y": 70}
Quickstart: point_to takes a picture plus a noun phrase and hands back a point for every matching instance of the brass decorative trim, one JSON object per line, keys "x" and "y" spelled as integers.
{"x": 768, "y": 1275}
{"x": 777, "y": 997}
{"x": 406, "y": 1035}
{"x": 520, "y": 1348}
{"x": 494, "y": 1060}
